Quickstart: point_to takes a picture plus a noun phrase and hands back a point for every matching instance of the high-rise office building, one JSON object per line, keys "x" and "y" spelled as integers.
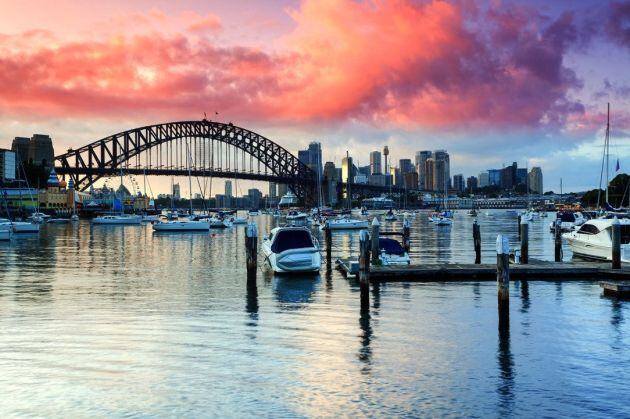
{"x": 442, "y": 171}
{"x": 483, "y": 179}
{"x": 283, "y": 188}
{"x": 421, "y": 161}
{"x": 429, "y": 174}
{"x": 410, "y": 180}
{"x": 405, "y": 166}
{"x": 521, "y": 176}
{"x": 228, "y": 188}
{"x": 471, "y": 184}
{"x": 508, "y": 176}
{"x": 536, "y": 180}
{"x": 347, "y": 169}
{"x": 312, "y": 156}
{"x": 254, "y": 196}
{"x": 273, "y": 190}
{"x": 176, "y": 191}
{"x": 330, "y": 172}
{"x": 494, "y": 177}
{"x": 458, "y": 182}
{"x": 375, "y": 163}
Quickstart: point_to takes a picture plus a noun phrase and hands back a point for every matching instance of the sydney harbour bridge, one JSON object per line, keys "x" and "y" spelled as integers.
{"x": 212, "y": 149}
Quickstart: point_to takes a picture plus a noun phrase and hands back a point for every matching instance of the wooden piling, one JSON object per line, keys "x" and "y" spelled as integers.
{"x": 616, "y": 244}
{"x": 524, "y": 242}
{"x": 328, "y": 240}
{"x": 503, "y": 281}
{"x": 406, "y": 234}
{"x": 518, "y": 226}
{"x": 376, "y": 251}
{"x": 477, "y": 242}
{"x": 251, "y": 250}
{"x": 364, "y": 268}
{"x": 557, "y": 242}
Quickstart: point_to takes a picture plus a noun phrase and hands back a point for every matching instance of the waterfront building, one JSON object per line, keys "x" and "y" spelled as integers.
{"x": 508, "y": 176}
{"x": 458, "y": 183}
{"x": 176, "y": 191}
{"x": 283, "y": 188}
{"x": 494, "y": 177}
{"x": 375, "y": 163}
{"x": 40, "y": 150}
{"x": 536, "y": 180}
{"x": 405, "y": 166}
{"x": 396, "y": 176}
{"x": 378, "y": 179}
{"x": 7, "y": 165}
{"x": 222, "y": 201}
{"x": 410, "y": 180}
{"x": 377, "y": 203}
{"x": 254, "y": 196}
{"x": 442, "y": 170}
{"x": 483, "y": 180}
{"x": 361, "y": 179}
{"x": 20, "y": 147}
{"x": 471, "y": 184}
{"x": 273, "y": 190}
{"x": 521, "y": 176}
{"x": 330, "y": 172}
{"x": 421, "y": 161}
{"x": 429, "y": 172}
{"x": 363, "y": 170}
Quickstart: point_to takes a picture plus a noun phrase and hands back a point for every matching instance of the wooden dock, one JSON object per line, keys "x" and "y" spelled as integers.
{"x": 460, "y": 272}
{"x": 616, "y": 289}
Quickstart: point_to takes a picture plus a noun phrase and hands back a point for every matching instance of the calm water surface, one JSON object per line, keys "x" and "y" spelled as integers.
{"x": 119, "y": 321}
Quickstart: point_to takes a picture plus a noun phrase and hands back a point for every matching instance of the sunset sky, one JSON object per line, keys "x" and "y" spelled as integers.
{"x": 492, "y": 82}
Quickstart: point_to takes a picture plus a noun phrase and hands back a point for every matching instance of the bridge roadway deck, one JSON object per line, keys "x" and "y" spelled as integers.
{"x": 463, "y": 272}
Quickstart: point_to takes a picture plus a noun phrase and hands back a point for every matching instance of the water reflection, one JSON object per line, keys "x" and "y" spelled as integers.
{"x": 505, "y": 388}
{"x": 524, "y": 296}
{"x": 365, "y": 350}
{"x": 294, "y": 292}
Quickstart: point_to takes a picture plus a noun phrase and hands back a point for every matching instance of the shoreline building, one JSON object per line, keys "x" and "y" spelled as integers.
{"x": 375, "y": 163}
{"x": 421, "y": 163}
{"x": 536, "y": 180}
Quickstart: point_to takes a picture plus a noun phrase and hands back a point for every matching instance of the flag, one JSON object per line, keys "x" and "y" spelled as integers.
{"x": 617, "y": 167}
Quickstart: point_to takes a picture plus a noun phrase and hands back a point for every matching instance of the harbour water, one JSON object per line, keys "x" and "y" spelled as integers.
{"x": 122, "y": 321}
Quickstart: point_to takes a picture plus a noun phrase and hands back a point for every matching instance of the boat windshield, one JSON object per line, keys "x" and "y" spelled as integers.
{"x": 390, "y": 246}
{"x": 291, "y": 239}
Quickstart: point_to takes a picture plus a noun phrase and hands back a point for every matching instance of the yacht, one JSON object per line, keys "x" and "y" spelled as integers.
{"x": 568, "y": 220}
{"x": 20, "y": 226}
{"x": 392, "y": 252}
{"x": 441, "y": 220}
{"x": 182, "y": 225}
{"x": 296, "y": 216}
{"x": 291, "y": 249}
{"x": 117, "y": 219}
{"x": 253, "y": 212}
{"x": 344, "y": 223}
{"x": 235, "y": 219}
{"x": 288, "y": 200}
{"x": 593, "y": 240}
{"x": 216, "y": 222}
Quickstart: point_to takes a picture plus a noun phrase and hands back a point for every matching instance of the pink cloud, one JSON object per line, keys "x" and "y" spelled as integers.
{"x": 396, "y": 62}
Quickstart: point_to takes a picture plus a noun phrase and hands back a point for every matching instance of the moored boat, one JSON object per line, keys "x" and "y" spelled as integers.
{"x": 344, "y": 223}
{"x": 117, "y": 219}
{"x": 592, "y": 240}
{"x": 291, "y": 250}
{"x": 392, "y": 252}
{"x": 182, "y": 225}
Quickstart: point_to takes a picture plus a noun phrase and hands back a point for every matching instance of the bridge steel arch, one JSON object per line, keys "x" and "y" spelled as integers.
{"x": 106, "y": 157}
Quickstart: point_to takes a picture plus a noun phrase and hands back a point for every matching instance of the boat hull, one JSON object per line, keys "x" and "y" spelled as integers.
{"x": 117, "y": 221}
{"x": 294, "y": 260}
{"x": 182, "y": 226}
{"x": 349, "y": 225}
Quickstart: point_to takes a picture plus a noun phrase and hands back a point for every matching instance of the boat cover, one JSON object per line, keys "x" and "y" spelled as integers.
{"x": 291, "y": 239}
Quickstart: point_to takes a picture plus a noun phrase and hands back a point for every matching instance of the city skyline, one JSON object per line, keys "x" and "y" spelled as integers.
{"x": 540, "y": 90}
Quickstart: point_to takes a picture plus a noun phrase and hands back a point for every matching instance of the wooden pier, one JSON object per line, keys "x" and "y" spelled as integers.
{"x": 461, "y": 272}
{"x": 616, "y": 289}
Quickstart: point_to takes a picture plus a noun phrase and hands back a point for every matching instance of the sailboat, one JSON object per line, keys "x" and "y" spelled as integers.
{"x": 184, "y": 225}
{"x": 443, "y": 218}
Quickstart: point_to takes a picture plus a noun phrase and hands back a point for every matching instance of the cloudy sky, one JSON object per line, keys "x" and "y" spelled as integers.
{"x": 490, "y": 81}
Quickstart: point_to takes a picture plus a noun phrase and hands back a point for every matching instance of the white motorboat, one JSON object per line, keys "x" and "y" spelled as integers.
{"x": 593, "y": 240}
{"x": 526, "y": 216}
{"x": 568, "y": 221}
{"x": 117, "y": 219}
{"x": 296, "y": 216}
{"x": 20, "y": 226}
{"x": 182, "y": 225}
{"x": 253, "y": 212}
{"x": 238, "y": 220}
{"x": 149, "y": 218}
{"x": 216, "y": 222}
{"x": 288, "y": 200}
{"x": 440, "y": 220}
{"x": 6, "y": 232}
{"x": 345, "y": 224}
{"x": 392, "y": 253}
{"x": 38, "y": 217}
{"x": 291, "y": 249}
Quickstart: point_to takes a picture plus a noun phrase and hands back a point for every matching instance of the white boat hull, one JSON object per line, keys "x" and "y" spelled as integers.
{"x": 132, "y": 220}
{"x": 346, "y": 224}
{"x": 597, "y": 251}
{"x": 23, "y": 227}
{"x": 182, "y": 226}
{"x": 294, "y": 260}
{"x": 5, "y": 234}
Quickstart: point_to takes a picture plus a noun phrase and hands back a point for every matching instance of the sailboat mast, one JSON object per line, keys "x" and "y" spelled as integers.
{"x": 189, "y": 179}
{"x": 607, "y": 148}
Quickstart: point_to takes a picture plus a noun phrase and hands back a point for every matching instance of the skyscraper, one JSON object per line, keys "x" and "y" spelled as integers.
{"x": 536, "y": 180}
{"x": 429, "y": 172}
{"x": 421, "y": 161}
{"x": 347, "y": 171}
{"x": 375, "y": 163}
{"x": 272, "y": 190}
{"x": 312, "y": 156}
{"x": 458, "y": 182}
{"x": 405, "y": 166}
{"x": 442, "y": 172}
{"x": 484, "y": 179}
{"x": 176, "y": 191}
{"x": 228, "y": 188}
{"x": 471, "y": 184}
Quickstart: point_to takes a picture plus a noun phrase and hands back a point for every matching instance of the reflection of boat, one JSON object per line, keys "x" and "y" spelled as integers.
{"x": 117, "y": 219}
{"x": 440, "y": 220}
{"x": 593, "y": 240}
{"x": 296, "y": 290}
{"x": 58, "y": 220}
{"x": 291, "y": 249}
{"x": 392, "y": 253}
{"x": 345, "y": 224}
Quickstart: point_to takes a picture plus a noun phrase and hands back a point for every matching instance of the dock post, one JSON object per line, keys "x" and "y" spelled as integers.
{"x": 375, "y": 245}
{"x": 251, "y": 249}
{"x": 616, "y": 244}
{"x": 364, "y": 269}
{"x": 328, "y": 240}
{"x": 524, "y": 242}
{"x": 477, "y": 242}
{"x": 557, "y": 231}
{"x": 406, "y": 234}
{"x": 518, "y": 226}
{"x": 503, "y": 281}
